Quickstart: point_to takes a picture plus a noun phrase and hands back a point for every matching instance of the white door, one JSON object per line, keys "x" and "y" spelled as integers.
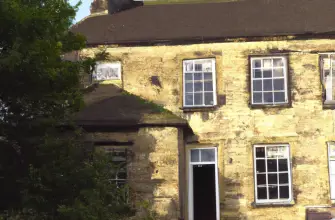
{"x": 203, "y": 194}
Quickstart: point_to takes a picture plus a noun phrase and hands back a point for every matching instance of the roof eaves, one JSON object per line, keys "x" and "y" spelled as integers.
{"x": 197, "y": 40}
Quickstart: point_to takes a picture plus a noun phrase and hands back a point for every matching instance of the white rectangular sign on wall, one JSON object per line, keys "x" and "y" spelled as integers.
{"x": 107, "y": 71}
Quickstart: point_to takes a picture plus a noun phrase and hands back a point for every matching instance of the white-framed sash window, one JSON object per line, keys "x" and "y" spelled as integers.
{"x": 272, "y": 173}
{"x": 327, "y": 66}
{"x": 269, "y": 80}
{"x": 199, "y": 82}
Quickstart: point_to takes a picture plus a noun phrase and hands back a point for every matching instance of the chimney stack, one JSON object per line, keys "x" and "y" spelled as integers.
{"x": 99, "y": 6}
{"x": 113, "y": 6}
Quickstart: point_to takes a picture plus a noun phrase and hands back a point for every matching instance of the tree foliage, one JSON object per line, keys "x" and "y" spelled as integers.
{"x": 46, "y": 172}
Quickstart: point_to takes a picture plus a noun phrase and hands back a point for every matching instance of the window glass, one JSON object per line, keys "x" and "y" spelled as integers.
{"x": 195, "y": 155}
{"x": 119, "y": 172}
{"x": 199, "y": 82}
{"x": 331, "y": 157}
{"x": 203, "y": 155}
{"x": 207, "y": 155}
{"x": 328, "y": 76}
{"x": 272, "y": 173}
{"x": 268, "y": 80}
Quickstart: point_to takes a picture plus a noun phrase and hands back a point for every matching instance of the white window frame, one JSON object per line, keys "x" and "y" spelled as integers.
{"x": 109, "y": 149}
{"x": 213, "y": 79}
{"x": 190, "y": 182}
{"x": 115, "y": 64}
{"x": 331, "y": 157}
{"x": 331, "y": 57}
{"x": 284, "y": 58}
{"x": 273, "y": 201}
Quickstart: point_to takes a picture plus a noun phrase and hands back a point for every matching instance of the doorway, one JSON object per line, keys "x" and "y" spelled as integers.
{"x": 203, "y": 184}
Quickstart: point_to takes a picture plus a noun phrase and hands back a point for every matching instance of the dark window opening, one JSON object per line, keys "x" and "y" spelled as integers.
{"x": 204, "y": 192}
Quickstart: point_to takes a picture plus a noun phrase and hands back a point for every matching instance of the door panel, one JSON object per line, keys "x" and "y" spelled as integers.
{"x": 204, "y": 196}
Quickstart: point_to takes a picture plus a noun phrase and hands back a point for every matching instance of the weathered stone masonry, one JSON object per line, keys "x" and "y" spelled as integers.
{"x": 233, "y": 125}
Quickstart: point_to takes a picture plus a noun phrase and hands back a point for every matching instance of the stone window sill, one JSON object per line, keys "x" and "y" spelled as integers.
{"x": 199, "y": 109}
{"x": 276, "y": 204}
{"x": 263, "y": 106}
{"x": 328, "y": 105}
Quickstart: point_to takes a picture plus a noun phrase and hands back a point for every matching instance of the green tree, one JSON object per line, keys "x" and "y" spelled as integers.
{"x": 46, "y": 172}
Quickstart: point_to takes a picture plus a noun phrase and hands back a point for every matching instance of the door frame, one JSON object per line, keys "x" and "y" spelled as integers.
{"x": 190, "y": 182}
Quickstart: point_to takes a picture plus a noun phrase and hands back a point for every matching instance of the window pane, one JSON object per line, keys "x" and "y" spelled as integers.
{"x": 284, "y": 192}
{"x": 331, "y": 146}
{"x": 283, "y": 178}
{"x": 267, "y": 63}
{"x": 257, "y": 85}
{"x": 278, "y": 84}
{"x": 278, "y": 62}
{"x": 189, "y": 87}
{"x": 208, "y": 76}
{"x": 198, "y": 67}
{"x": 261, "y": 179}
{"x": 273, "y": 192}
{"x": 257, "y": 63}
{"x": 207, "y": 155}
{"x": 206, "y": 65}
{"x": 277, "y": 151}
{"x": 188, "y": 66}
{"x": 257, "y": 73}
{"x": 272, "y": 179}
{"x": 189, "y": 99}
{"x": 329, "y": 89}
{"x": 332, "y": 167}
{"x": 122, "y": 175}
{"x": 282, "y": 163}
{"x": 332, "y": 186}
{"x": 268, "y": 97}
{"x": 197, "y": 76}
{"x": 209, "y": 86}
{"x": 209, "y": 98}
{"x": 188, "y": 76}
{"x": 260, "y": 152}
{"x": 257, "y": 97}
{"x": 278, "y": 72}
{"x": 260, "y": 166}
{"x": 198, "y": 99}
{"x": 261, "y": 193}
{"x": 198, "y": 87}
{"x": 267, "y": 73}
{"x": 272, "y": 165}
{"x": 267, "y": 85}
{"x": 280, "y": 97}
{"x": 120, "y": 183}
{"x": 195, "y": 155}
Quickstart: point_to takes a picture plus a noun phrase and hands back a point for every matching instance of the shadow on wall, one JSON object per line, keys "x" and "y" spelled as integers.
{"x": 230, "y": 204}
{"x": 153, "y": 194}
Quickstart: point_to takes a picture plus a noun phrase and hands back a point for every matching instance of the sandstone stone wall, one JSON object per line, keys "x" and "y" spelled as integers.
{"x": 152, "y": 169}
{"x": 234, "y": 126}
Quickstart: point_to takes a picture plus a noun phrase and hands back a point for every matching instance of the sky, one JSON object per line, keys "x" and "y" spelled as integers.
{"x": 84, "y": 9}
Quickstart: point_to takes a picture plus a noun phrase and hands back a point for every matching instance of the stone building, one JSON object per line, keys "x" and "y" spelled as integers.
{"x": 226, "y": 109}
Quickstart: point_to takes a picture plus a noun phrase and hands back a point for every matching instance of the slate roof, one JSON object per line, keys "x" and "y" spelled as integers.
{"x": 108, "y": 105}
{"x": 210, "y": 21}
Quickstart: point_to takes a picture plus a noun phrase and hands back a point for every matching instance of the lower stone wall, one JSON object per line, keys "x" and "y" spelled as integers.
{"x": 153, "y": 172}
{"x": 152, "y": 169}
